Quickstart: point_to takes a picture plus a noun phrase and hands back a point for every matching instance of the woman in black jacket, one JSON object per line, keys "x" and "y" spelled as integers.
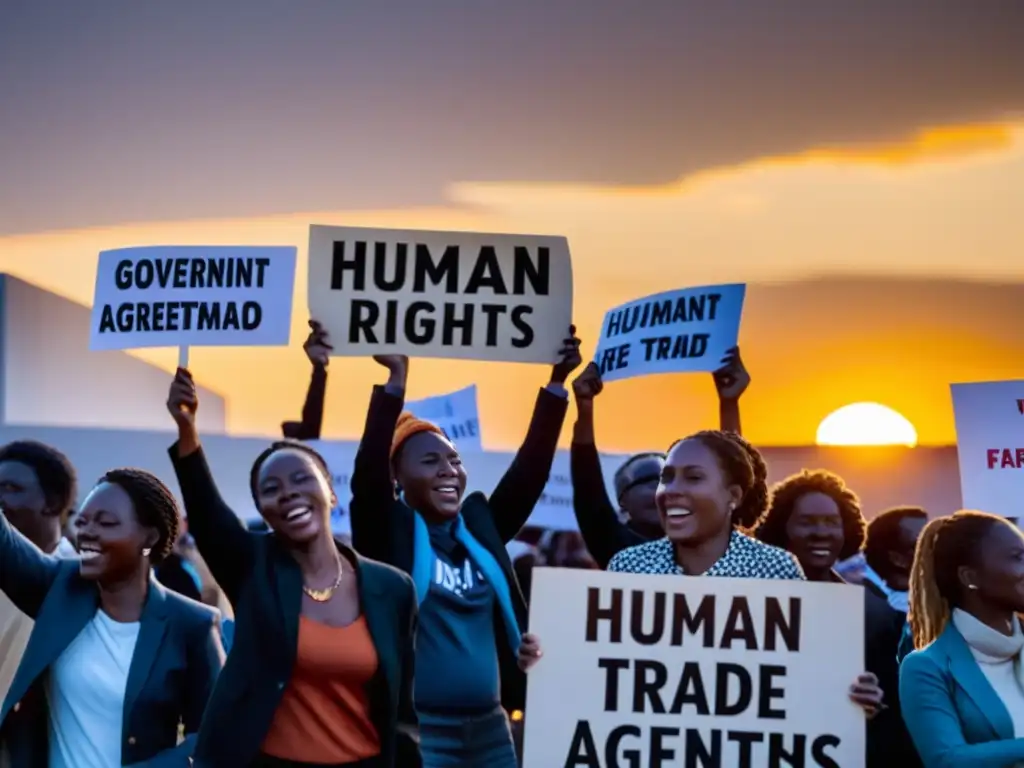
{"x": 118, "y": 669}
{"x": 470, "y": 650}
{"x": 321, "y": 668}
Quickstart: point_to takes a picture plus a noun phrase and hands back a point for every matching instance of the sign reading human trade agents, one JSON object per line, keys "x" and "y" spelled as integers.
{"x": 466, "y": 295}
{"x": 643, "y": 670}
{"x": 191, "y": 295}
{"x": 990, "y": 445}
{"x": 680, "y": 331}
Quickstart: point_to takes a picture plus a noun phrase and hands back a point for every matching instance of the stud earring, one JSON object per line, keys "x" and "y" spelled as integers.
{"x": 146, "y": 551}
{"x": 972, "y": 586}
{"x": 732, "y": 506}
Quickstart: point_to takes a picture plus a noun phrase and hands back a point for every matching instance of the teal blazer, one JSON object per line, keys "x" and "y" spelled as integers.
{"x": 954, "y": 716}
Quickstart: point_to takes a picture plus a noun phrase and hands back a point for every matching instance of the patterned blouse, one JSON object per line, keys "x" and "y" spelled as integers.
{"x": 744, "y": 558}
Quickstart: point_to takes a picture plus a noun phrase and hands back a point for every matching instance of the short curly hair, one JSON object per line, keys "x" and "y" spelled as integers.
{"x": 786, "y": 493}
{"x": 155, "y": 506}
{"x": 54, "y": 470}
{"x": 284, "y": 445}
{"x": 743, "y": 465}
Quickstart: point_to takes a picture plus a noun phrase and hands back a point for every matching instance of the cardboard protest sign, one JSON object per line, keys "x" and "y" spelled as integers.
{"x": 189, "y": 295}
{"x": 457, "y": 295}
{"x": 679, "y": 331}
{"x": 658, "y": 670}
{"x": 990, "y": 446}
{"x": 456, "y": 414}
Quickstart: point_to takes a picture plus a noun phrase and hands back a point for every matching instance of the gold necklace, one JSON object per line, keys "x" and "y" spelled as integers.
{"x": 323, "y": 595}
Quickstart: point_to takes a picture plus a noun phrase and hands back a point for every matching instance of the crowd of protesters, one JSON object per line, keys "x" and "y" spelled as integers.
{"x": 133, "y": 632}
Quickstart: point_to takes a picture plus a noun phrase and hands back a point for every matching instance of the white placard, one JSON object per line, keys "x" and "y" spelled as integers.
{"x": 457, "y": 414}
{"x": 990, "y": 445}
{"x": 682, "y": 331}
{"x": 192, "y": 295}
{"x": 651, "y": 670}
{"x": 484, "y": 469}
{"x": 458, "y": 295}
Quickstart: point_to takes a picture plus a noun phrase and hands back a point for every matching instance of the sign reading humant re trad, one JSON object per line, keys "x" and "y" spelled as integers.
{"x": 692, "y": 671}
{"x": 673, "y": 332}
{"x": 441, "y": 294}
{"x": 165, "y": 296}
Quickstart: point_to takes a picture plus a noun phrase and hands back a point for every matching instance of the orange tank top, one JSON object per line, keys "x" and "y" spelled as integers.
{"x": 324, "y": 715}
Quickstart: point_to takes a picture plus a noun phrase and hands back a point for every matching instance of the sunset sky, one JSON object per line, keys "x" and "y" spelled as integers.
{"x": 860, "y": 165}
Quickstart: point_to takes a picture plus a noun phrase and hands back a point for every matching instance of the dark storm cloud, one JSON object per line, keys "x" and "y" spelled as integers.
{"x": 115, "y": 110}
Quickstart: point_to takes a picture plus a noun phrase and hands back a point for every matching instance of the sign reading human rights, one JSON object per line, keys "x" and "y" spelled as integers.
{"x": 678, "y": 670}
{"x": 682, "y": 331}
{"x": 462, "y": 295}
{"x": 189, "y": 295}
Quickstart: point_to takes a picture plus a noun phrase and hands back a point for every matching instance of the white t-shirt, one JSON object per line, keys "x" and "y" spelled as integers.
{"x": 86, "y": 695}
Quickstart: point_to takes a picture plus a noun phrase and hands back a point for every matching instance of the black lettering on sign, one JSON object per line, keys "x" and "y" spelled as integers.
{"x": 652, "y": 314}
{"x": 675, "y": 347}
{"x": 745, "y": 740}
{"x": 175, "y": 316}
{"x": 530, "y": 273}
{"x": 818, "y": 753}
{"x": 648, "y": 618}
{"x": 188, "y": 273}
{"x": 418, "y": 323}
{"x": 615, "y": 358}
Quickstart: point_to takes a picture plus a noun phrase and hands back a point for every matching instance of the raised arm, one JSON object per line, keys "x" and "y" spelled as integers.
{"x": 318, "y": 349}
{"x": 520, "y": 488}
{"x": 373, "y": 491}
{"x": 603, "y": 532}
{"x": 225, "y": 545}
{"x": 26, "y": 572}
{"x": 731, "y": 381}
{"x": 934, "y": 725}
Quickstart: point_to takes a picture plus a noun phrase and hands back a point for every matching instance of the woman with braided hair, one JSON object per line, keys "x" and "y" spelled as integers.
{"x": 321, "y": 665}
{"x": 713, "y": 489}
{"x": 963, "y": 686}
{"x": 117, "y": 667}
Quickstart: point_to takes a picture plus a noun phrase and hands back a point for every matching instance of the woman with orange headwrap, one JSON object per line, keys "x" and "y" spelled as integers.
{"x": 407, "y": 509}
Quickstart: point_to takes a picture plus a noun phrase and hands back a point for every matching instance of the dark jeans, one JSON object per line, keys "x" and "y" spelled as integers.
{"x": 478, "y": 741}
{"x": 266, "y": 761}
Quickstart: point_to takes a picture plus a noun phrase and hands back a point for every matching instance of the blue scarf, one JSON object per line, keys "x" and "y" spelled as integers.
{"x": 424, "y": 559}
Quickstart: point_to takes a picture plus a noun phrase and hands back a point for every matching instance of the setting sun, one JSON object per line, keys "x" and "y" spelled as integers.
{"x": 866, "y": 424}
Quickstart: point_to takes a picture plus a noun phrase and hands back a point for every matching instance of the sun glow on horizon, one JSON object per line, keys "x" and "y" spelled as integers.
{"x": 866, "y": 424}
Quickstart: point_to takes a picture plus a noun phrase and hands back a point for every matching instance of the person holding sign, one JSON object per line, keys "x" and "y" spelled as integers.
{"x": 321, "y": 666}
{"x": 964, "y": 685}
{"x": 814, "y": 515}
{"x": 637, "y": 479}
{"x": 408, "y": 509}
{"x": 714, "y": 484}
{"x": 116, "y": 665}
{"x": 318, "y": 350}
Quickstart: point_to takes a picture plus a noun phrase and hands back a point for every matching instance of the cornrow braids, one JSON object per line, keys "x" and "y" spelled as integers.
{"x": 155, "y": 506}
{"x": 283, "y": 445}
{"x": 946, "y": 544}
{"x": 744, "y": 466}
{"x": 785, "y": 494}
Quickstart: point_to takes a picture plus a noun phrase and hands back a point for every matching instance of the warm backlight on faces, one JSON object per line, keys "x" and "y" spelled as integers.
{"x": 866, "y": 424}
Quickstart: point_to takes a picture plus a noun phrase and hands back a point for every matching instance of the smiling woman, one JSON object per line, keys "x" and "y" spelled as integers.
{"x": 866, "y": 424}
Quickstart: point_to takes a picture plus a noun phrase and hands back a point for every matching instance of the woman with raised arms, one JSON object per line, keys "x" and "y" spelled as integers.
{"x": 117, "y": 667}
{"x": 713, "y": 487}
{"x": 321, "y": 667}
{"x": 408, "y": 509}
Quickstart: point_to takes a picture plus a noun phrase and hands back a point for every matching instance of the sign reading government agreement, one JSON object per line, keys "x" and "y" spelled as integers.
{"x": 465, "y": 295}
{"x": 193, "y": 295}
{"x": 645, "y": 670}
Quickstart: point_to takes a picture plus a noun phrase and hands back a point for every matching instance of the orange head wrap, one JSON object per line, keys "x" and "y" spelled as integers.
{"x": 407, "y": 426}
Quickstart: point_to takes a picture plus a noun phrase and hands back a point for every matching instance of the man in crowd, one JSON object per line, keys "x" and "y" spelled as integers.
{"x": 889, "y": 553}
{"x": 38, "y": 489}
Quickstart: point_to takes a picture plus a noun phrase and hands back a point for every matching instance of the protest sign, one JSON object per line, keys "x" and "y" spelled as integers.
{"x": 679, "y": 331}
{"x": 456, "y": 414}
{"x": 678, "y": 670}
{"x": 441, "y": 294}
{"x": 189, "y": 295}
{"x": 990, "y": 445}
{"x": 484, "y": 469}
